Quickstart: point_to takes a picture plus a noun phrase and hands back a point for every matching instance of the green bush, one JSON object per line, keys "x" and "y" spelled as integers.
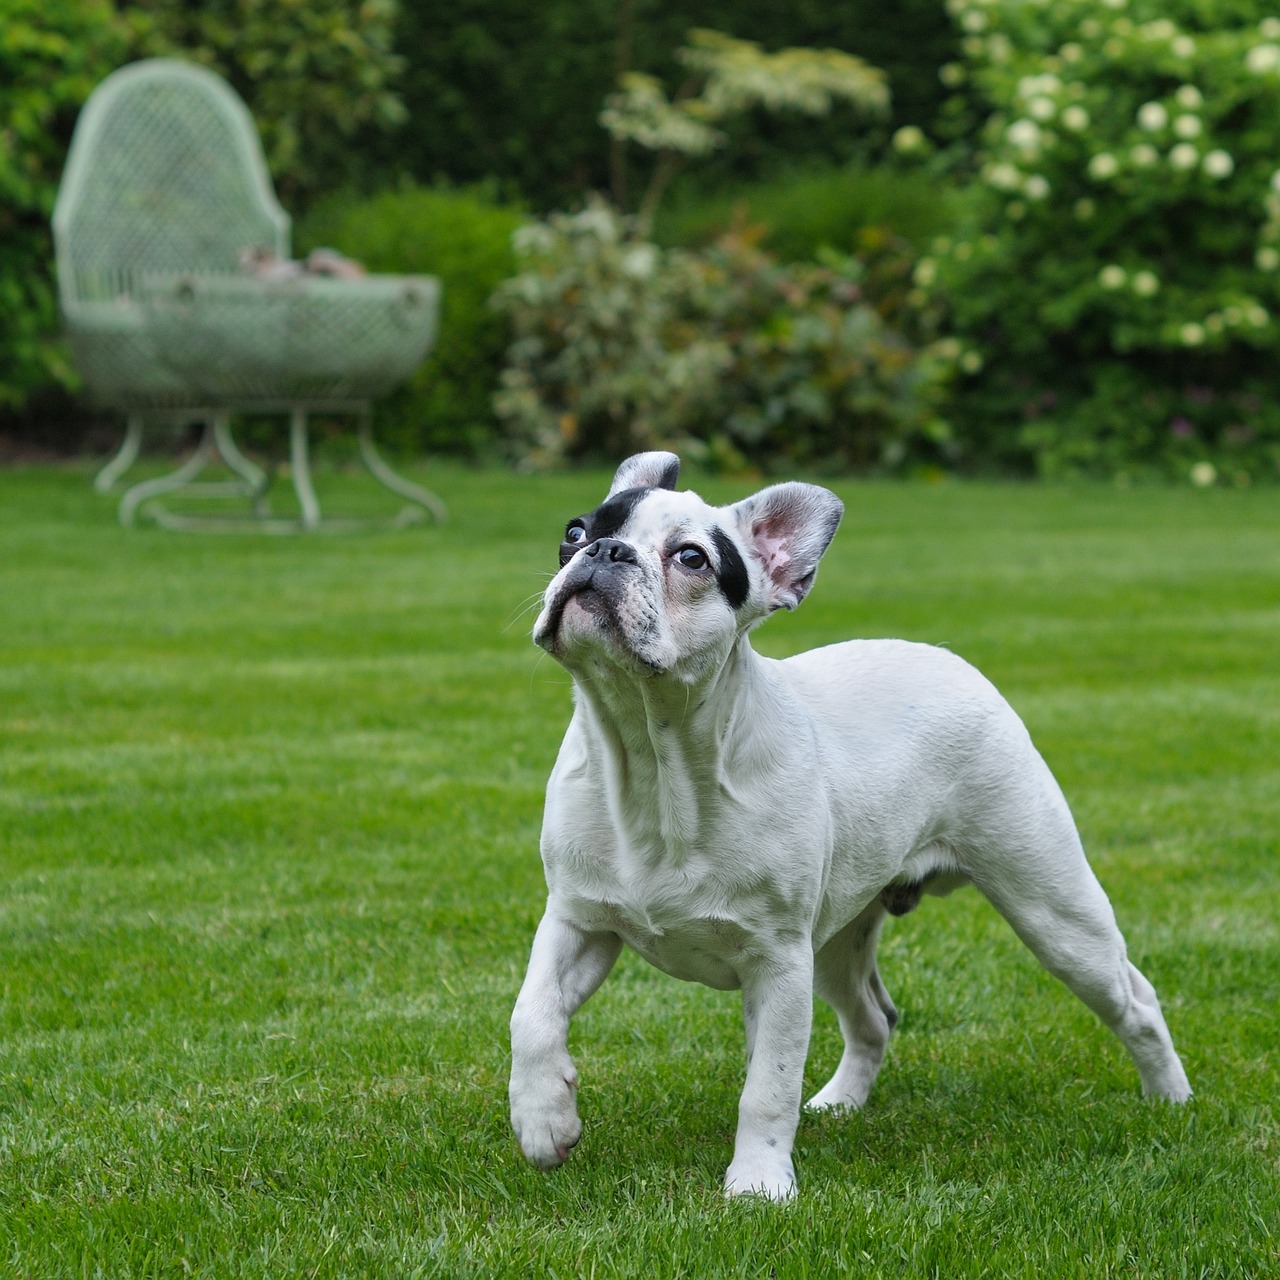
{"x": 1115, "y": 287}
{"x": 800, "y": 211}
{"x": 313, "y": 74}
{"x": 726, "y": 354}
{"x": 497, "y": 87}
{"x": 52, "y": 53}
{"x": 463, "y": 236}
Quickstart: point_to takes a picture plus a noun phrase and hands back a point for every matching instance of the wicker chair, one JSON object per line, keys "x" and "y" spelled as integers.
{"x": 179, "y": 301}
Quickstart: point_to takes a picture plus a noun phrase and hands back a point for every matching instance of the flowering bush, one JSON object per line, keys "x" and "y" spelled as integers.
{"x": 1115, "y": 289}
{"x": 620, "y": 345}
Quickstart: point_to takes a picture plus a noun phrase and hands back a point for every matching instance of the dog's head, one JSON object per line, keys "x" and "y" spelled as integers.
{"x": 655, "y": 582}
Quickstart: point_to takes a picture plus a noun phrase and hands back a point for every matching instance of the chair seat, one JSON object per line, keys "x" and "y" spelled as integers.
{"x": 239, "y": 339}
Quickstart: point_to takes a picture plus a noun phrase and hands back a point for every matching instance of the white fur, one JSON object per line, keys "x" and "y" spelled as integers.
{"x": 734, "y": 820}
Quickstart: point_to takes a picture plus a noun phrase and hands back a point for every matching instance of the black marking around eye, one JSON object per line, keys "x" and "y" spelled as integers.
{"x": 604, "y": 522}
{"x": 732, "y": 575}
{"x": 611, "y": 515}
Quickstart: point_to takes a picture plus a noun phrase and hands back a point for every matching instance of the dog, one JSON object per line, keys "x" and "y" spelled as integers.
{"x": 748, "y": 823}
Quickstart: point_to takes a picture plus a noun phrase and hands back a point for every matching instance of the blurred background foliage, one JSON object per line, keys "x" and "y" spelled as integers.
{"x": 971, "y": 229}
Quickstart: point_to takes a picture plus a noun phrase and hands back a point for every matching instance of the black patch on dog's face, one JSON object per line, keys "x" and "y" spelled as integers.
{"x": 604, "y": 522}
{"x": 732, "y": 574}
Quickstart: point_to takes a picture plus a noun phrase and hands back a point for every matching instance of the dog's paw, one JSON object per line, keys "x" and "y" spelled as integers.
{"x": 774, "y": 1181}
{"x": 544, "y": 1115}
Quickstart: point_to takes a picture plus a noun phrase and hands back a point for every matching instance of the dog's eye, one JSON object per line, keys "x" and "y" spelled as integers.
{"x": 692, "y": 557}
{"x": 575, "y": 535}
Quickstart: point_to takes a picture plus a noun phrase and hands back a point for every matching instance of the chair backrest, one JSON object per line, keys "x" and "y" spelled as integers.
{"x": 165, "y": 173}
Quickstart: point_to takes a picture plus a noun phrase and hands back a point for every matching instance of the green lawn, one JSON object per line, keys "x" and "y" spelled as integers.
{"x": 268, "y": 876}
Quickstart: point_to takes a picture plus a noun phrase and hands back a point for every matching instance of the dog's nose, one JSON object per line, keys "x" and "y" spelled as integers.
{"x": 613, "y": 550}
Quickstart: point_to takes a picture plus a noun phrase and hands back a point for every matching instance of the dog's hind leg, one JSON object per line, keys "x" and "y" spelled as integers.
{"x": 845, "y": 976}
{"x": 1042, "y": 884}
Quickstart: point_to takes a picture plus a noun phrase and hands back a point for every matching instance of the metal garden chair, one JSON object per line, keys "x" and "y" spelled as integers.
{"x": 180, "y": 304}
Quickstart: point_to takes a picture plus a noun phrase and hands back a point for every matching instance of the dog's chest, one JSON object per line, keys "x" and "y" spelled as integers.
{"x": 681, "y": 922}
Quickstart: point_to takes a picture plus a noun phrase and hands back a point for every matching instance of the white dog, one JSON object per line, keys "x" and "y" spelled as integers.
{"x": 747, "y": 823}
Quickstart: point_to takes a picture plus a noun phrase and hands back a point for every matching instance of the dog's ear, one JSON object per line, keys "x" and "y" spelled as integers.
{"x": 656, "y": 470}
{"x": 788, "y": 527}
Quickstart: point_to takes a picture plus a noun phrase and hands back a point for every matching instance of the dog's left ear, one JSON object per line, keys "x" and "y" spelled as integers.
{"x": 655, "y": 470}
{"x": 788, "y": 527}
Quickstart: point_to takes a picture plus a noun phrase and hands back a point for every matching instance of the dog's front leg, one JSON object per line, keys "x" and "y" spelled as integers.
{"x": 777, "y": 1003}
{"x": 565, "y": 967}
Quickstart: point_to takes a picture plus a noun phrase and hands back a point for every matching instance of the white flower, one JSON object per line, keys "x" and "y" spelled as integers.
{"x": 1144, "y": 155}
{"x": 952, "y": 74}
{"x": 926, "y": 272}
{"x": 999, "y": 48}
{"x": 1184, "y": 156}
{"x": 1189, "y": 96}
{"x": 1275, "y": 182}
{"x": 1257, "y": 316}
{"x": 971, "y": 362}
{"x": 1267, "y": 259}
{"x": 974, "y": 20}
{"x": 1188, "y": 126}
{"x": 1076, "y": 118}
{"x": 1203, "y": 474}
{"x": 909, "y": 140}
{"x": 640, "y": 260}
{"x": 1115, "y": 4}
{"x": 1160, "y": 29}
{"x": 1184, "y": 47}
{"x": 1112, "y": 276}
{"x": 1071, "y": 52}
{"x": 1004, "y": 177}
{"x": 1232, "y": 315}
{"x": 1145, "y": 283}
{"x": 1191, "y": 335}
{"x": 1024, "y": 134}
{"x": 1034, "y": 86}
{"x": 1152, "y": 116}
{"x": 1104, "y": 165}
{"x": 1042, "y": 108}
{"x": 1262, "y": 58}
{"x": 1219, "y": 164}
{"x": 1270, "y": 28}
{"x": 1036, "y": 187}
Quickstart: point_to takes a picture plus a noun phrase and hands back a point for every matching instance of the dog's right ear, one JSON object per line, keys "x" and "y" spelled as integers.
{"x": 655, "y": 470}
{"x": 788, "y": 527}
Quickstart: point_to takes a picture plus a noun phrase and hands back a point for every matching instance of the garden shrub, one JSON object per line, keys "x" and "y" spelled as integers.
{"x": 1114, "y": 288}
{"x": 313, "y": 74}
{"x": 463, "y": 236}
{"x": 732, "y": 357}
{"x": 501, "y": 88}
{"x": 52, "y": 53}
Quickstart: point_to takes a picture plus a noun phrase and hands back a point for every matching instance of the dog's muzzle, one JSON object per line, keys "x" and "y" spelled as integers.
{"x": 596, "y": 569}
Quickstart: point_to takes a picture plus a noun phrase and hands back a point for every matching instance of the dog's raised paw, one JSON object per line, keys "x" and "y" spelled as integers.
{"x": 545, "y": 1120}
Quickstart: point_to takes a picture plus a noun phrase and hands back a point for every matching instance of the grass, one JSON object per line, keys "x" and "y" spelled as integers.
{"x": 268, "y": 828}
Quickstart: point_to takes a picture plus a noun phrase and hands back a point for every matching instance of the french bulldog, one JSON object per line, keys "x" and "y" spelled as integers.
{"x": 748, "y": 823}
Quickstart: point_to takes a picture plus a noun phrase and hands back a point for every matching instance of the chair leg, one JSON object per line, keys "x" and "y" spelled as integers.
{"x": 125, "y": 455}
{"x": 257, "y": 480}
{"x": 139, "y": 493}
{"x": 381, "y": 472}
{"x": 300, "y": 464}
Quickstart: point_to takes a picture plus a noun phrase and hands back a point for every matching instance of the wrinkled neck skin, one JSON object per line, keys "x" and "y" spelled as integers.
{"x": 659, "y": 744}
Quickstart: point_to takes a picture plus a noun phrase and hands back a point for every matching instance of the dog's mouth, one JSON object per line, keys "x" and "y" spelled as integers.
{"x": 597, "y": 598}
{"x": 588, "y": 599}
